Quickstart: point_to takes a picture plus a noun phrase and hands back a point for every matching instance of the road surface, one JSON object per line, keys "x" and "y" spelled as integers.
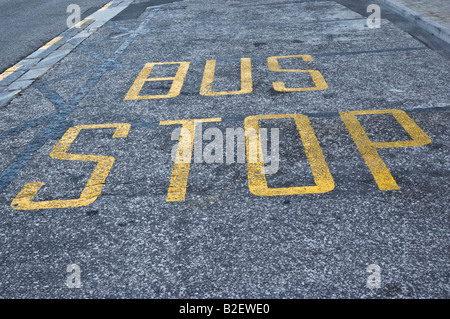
{"x": 360, "y": 188}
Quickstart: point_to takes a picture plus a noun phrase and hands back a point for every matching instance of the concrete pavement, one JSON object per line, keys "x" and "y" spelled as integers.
{"x": 432, "y": 15}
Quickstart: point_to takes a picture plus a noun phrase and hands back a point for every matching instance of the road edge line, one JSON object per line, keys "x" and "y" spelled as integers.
{"x": 21, "y": 75}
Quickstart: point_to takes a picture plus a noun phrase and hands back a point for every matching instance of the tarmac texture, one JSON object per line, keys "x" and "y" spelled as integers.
{"x": 87, "y": 177}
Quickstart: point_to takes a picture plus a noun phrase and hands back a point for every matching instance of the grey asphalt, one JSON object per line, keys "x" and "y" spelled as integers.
{"x": 27, "y": 25}
{"x": 223, "y": 241}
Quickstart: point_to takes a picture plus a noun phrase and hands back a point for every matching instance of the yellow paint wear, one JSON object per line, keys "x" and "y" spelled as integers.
{"x": 182, "y": 165}
{"x": 256, "y": 175}
{"x": 93, "y": 188}
{"x": 368, "y": 149}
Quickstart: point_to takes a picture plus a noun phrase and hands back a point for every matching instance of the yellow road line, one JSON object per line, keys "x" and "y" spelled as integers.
{"x": 10, "y": 71}
{"x": 79, "y": 24}
{"x": 106, "y": 6}
{"x": 50, "y": 43}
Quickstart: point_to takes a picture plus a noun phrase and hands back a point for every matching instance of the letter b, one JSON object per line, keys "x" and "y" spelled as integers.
{"x": 226, "y": 308}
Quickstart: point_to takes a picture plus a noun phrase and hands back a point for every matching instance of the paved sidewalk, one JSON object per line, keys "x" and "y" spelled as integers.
{"x": 433, "y": 14}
